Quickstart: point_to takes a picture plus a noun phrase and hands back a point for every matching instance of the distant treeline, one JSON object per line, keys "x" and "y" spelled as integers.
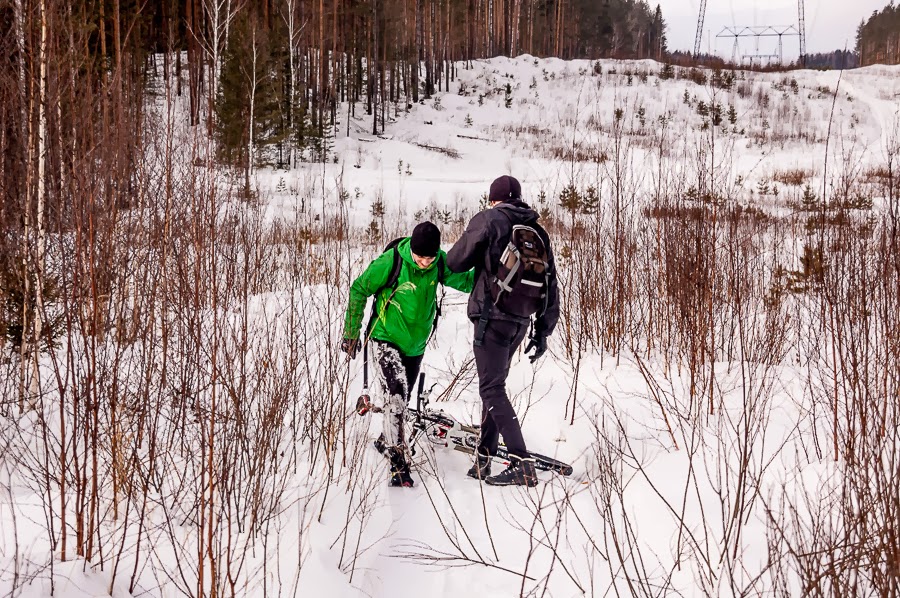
{"x": 878, "y": 38}
{"x": 688, "y": 59}
{"x": 837, "y": 60}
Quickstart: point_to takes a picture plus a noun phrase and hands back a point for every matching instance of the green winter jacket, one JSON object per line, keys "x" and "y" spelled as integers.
{"x": 405, "y": 313}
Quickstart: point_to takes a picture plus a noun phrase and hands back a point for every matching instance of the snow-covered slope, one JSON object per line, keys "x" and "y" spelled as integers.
{"x": 558, "y": 110}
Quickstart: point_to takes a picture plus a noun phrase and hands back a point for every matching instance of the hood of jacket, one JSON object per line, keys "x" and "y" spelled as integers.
{"x": 518, "y": 211}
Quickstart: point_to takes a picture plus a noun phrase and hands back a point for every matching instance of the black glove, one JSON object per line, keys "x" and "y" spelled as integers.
{"x": 350, "y": 346}
{"x": 539, "y": 344}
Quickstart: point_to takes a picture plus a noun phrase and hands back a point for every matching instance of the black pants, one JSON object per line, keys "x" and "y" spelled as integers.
{"x": 398, "y": 378}
{"x": 492, "y": 359}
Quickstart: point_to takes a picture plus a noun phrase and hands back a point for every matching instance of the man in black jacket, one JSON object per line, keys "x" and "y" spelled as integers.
{"x": 498, "y": 334}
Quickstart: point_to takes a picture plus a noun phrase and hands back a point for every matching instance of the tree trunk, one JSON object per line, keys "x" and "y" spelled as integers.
{"x": 192, "y": 19}
{"x": 253, "y": 84}
{"x": 323, "y": 76}
{"x": 39, "y": 266}
{"x": 373, "y": 72}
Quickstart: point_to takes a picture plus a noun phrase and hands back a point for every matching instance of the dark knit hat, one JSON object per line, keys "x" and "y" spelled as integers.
{"x": 504, "y": 188}
{"x": 425, "y": 240}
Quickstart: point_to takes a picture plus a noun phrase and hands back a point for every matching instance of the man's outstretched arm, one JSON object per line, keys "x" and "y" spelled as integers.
{"x": 467, "y": 252}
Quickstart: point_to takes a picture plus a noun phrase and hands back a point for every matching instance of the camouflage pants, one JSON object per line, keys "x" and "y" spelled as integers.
{"x": 398, "y": 376}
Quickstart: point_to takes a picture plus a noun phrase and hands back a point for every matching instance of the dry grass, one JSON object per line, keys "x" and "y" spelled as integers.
{"x": 795, "y": 177}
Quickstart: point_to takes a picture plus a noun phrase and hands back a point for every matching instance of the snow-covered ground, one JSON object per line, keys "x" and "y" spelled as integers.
{"x": 671, "y": 495}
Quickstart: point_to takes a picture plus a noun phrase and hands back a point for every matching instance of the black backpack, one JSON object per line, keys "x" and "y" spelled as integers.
{"x": 522, "y": 277}
{"x": 394, "y": 275}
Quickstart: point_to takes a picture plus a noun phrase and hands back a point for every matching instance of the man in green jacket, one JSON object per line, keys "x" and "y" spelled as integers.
{"x": 404, "y": 317}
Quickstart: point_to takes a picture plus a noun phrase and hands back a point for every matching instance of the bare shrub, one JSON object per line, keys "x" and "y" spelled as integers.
{"x": 796, "y": 177}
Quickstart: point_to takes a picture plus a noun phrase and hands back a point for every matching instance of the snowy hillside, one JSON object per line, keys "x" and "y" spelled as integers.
{"x": 553, "y": 128}
{"x": 725, "y": 361}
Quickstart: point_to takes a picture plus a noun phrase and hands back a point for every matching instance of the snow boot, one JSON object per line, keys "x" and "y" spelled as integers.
{"x": 400, "y": 476}
{"x": 481, "y": 468}
{"x": 519, "y": 472}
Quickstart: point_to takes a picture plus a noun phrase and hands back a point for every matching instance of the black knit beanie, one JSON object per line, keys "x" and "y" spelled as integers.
{"x": 425, "y": 240}
{"x": 505, "y": 188}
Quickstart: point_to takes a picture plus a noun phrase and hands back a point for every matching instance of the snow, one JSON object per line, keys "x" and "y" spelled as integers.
{"x": 649, "y": 481}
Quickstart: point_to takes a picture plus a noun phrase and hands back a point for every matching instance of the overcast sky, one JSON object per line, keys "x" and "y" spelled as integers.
{"x": 830, "y": 24}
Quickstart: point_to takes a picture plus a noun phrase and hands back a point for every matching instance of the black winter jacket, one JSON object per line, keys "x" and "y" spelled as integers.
{"x": 481, "y": 246}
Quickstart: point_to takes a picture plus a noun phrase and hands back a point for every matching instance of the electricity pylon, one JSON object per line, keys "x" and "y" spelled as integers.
{"x": 700, "y": 19}
{"x": 801, "y": 15}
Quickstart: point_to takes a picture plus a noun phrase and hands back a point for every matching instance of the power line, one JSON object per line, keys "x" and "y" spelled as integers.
{"x": 765, "y": 31}
{"x": 759, "y": 32}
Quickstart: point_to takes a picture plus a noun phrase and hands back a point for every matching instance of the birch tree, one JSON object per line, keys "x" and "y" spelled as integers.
{"x": 41, "y": 200}
{"x": 293, "y": 32}
{"x": 219, "y": 16}
{"x": 254, "y": 59}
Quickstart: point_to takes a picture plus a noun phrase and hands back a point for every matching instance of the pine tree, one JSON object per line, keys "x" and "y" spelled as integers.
{"x": 878, "y": 38}
{"x": 809, "y": 201}
{"x": 658, "y": 48}
{"x": 590, "y": 201}
{"x": 270, "y": 126}
{"x": 667, "y": 72}
{"x": 233, "y": 99}
{"x": 732, "y": 114}
{"x": 570, "y": 200}
{"x": 252, "y": 82}
{"x": 716, "y": 111}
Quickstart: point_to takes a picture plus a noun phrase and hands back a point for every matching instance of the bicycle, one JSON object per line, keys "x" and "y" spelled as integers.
{"x": 442, "y": 429}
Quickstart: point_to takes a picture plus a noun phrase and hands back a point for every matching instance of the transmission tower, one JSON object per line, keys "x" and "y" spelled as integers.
{"x": 757, "y": 33}
{"x": 801, "y": 14}
{"x": 699, "y": 28}
{"x": 802, "y": 22}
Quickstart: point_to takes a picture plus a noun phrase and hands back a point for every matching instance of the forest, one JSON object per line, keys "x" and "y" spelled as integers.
{"x": 878, "y": 37}
{"x": 299, "y": 59}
